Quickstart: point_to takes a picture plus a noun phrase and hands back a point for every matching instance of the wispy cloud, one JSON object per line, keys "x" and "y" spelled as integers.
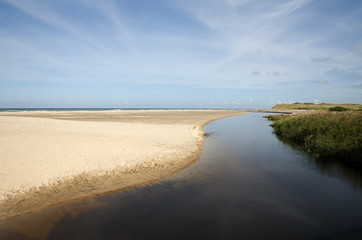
{"x": 252, "y": 35}
{"x": 334, "y": 70}
{"x": 322, "y": 59}
{"x": 286, "y": 8}
{"x": 209, "y": 44}
{"x": 109, "y": 9}
{"x": 45, "y": 13}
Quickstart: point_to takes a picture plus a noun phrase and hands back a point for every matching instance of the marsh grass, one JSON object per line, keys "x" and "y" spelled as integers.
{"x": 327, "y": 134}
{"x": 276, "y": 117}
{"x": 322, "y": 106}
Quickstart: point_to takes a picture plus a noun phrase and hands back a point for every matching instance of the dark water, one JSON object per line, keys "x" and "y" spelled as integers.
{"x": 246, "y": 185}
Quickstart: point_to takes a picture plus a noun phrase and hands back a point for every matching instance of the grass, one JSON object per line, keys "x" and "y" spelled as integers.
{"x": 327, "y": 134}
{"x": 276, "y": 117}
{"x": 322, "y": 106}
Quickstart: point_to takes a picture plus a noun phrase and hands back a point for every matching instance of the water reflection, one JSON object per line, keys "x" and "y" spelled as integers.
{"x": 38, "y": 225}
{"x": 247, "y": 184}
{"x": 330, "y": 166}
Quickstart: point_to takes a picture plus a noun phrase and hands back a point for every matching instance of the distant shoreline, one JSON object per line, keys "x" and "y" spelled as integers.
{"x": 103, "y": 109}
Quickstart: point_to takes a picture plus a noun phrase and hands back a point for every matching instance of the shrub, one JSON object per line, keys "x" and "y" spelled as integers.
{"x": 338, "y": 109}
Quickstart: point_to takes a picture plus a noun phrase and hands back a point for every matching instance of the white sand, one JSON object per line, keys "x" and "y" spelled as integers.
{"x": 46, "y": 161}
{"x": 40, "y": 151}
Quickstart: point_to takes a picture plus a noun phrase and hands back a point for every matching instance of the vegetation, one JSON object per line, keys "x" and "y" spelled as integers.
{"x": 327, "y": 134}
{"x": 276, "y": 117}
{"x": 322, "y": 106}
{"x": 338, "y": 109}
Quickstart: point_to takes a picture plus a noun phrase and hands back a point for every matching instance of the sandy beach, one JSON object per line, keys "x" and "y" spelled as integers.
{"x": 50, "y": 157}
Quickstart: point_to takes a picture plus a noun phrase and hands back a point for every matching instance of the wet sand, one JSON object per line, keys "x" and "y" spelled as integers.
{"x": 48, "y": 158}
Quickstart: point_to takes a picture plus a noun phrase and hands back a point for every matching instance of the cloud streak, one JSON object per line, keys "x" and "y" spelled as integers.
{"x": 322, "y": 59}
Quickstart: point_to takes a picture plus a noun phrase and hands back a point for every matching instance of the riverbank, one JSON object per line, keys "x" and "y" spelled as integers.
{"x": 334, "y": 133}
{"x": 47, "y": 160}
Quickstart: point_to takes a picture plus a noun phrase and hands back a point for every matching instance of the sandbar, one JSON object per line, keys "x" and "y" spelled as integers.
{"x": 52, "y": 157}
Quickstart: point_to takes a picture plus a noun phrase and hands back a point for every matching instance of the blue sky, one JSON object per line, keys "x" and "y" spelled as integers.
{"x": 179, "y": 53}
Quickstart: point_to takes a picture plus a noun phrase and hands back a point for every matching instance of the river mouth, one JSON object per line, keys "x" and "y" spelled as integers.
{"x": 247, "y": 184}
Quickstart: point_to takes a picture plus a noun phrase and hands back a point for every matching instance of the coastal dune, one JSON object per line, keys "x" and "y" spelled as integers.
{"x": 47, "y": 158}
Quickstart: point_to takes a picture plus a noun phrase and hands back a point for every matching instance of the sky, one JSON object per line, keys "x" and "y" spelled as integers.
{"x": 179, "y": 53}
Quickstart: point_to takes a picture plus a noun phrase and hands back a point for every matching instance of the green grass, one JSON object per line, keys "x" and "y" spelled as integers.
{"x": 322, "y": 106}
{"x": 276, "y": 117}
{"x": 327, "y": 134}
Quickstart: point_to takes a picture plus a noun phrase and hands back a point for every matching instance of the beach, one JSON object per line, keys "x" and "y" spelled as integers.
{"x": 52, "y": 157}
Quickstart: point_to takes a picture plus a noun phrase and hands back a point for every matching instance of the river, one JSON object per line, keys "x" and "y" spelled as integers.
{"x": 247, "y": 184}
